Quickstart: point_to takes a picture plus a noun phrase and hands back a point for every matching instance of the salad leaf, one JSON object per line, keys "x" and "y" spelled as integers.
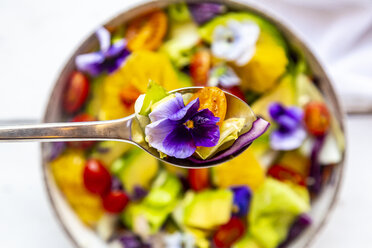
{"x": 154, "y": 94}
{"x": 229, "y": 132}
{"x": 179, "y": 12}
{"x": 274, "y": 207}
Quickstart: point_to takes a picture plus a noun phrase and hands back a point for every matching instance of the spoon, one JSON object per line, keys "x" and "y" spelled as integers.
{"x": 126, "y": 129}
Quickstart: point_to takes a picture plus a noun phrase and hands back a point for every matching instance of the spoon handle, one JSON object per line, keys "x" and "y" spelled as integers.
{"x": 71, "y": 131}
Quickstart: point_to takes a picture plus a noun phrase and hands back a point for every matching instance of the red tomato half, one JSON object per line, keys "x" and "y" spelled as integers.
{"x": 199, "y": 67}
{"x": 235, "y": 90}
{"x": 198, "y": 178}
{"x": 317, "y": 118}
{"x": 76, "y": 92}
{"x": 229, "y": 233}
{"x": 82, "y": 144}
{"x": 96, "y": 177}
{"x": 285, "y": 174}
{"x": 115, "y": 201}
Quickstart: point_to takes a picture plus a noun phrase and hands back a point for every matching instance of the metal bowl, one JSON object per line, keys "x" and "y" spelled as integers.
{"x": 81, "y": 236}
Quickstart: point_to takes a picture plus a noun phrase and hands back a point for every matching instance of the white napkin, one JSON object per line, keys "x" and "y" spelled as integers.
{"x": 339, "y": 32}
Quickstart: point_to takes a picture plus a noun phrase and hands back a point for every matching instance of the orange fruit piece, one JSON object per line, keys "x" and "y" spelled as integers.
{"x": 214, "y": 99}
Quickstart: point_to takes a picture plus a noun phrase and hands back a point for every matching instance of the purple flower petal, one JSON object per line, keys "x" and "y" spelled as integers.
{"x": 287, "y": 124}
{"x": 315, "y": 166}
{"x": 115, "y": 49}
{"x": 179, "y": 143}
{"x": 90, "y": 63}
{"x": 138, "y": 193}
{"x": 299, "y": 225}
{"x": 203, "y": 12}
{"x": 259, "y": 127}
{"x": 157, "y": 131}
{"x": 56, "y": 149}
{"x": 205, "y": 132}
{"x": 166, "y": 109}
{"x": 295, "y": 113}
{"x": 276, "y": 110}
{"x": 116, "y": 183}
{"x": 187, "y": 112}
{"x": 287, "y": 141}
{"x": 103, "y": 36}
{"x": 242, "y": 200}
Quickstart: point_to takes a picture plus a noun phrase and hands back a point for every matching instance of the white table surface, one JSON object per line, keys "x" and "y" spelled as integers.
{"x": 36, "y": 37}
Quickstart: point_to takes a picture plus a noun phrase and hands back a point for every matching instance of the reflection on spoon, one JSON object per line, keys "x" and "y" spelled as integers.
{"x": 129, "y": 130}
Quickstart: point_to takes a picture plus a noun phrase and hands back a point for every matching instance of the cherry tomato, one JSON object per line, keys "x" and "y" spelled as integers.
{"x": 198, "y": 178}
{"x": 82, "y": 144}
{"x": 285, "y": 174}
{"x": 317, "y": 118}
{"x": 96, "y": 177}
{"x": 199, "y": 67}
{"x": 229, "y": 233}
{"x": 235, "y": 90}
{"x": 129, "y": 95}
{"x": 76, "y": 92}
{"x": 214, "y": 99}
{"x": 147, "y": 32}
{"x": 115, "y": 201}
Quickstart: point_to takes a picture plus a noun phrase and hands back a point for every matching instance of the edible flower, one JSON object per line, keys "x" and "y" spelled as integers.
{"x": 236, "y": 41}
{"x": 203, "y": 12}
{"x": 242, "y": 200}
{"x": 224, "y": 76}
{"x": 108, "y": 59}
{"x": 176, "y": 130}
{"x": 290, "y": 132}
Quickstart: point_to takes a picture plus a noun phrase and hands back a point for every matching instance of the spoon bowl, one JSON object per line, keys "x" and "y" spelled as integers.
{"x": 128, "y": 130}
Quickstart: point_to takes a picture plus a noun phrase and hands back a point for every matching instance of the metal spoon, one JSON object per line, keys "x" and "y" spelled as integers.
{"x": 125, "y": 129}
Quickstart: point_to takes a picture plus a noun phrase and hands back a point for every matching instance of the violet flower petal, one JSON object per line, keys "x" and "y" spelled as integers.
{"x": 315, "y": 166}
{"x": 56, "y": 149}
{"x": 259, "y": 127}
{"x": 286, "y": 123}
{"x": 298, "y": 226}
{"x": 166, "y": 109}
{"x": 296, "y": 113}
{"x": 90, "y": 63}
{"x": 157, "y": 131}
{"x": 103, "y": 36}
{"x": 276, "y": 110}
{"x": 287, "y": 141}
{"x": 138, "y": 193}
{"x": 179, "y": 143}
{"x": 187, "y": 112}
{"x": 203, "y": 12}
{"x": 115, "y": 49}
{"x": 242, "y": 200}
{"x": 205, "y": 132}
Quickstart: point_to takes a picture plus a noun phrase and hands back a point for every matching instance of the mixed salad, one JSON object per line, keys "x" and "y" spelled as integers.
{"x": 259, "y": 199}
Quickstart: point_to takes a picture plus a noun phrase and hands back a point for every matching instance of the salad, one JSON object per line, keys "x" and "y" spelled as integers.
{"x": 259, "y": 199}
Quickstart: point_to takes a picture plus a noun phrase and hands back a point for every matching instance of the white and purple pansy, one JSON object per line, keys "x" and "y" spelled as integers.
{"x": 290, "y": 132}
{"x": 176, "y": 130}
{"x": 108, "y": 59}
{"x": 236, "y": 41}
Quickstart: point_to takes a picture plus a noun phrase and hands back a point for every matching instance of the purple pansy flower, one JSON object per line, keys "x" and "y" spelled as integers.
{"x": 108, "y": 59}
{"x": 203, "y": 12}
{"x": 290, "y": 132}
{"x": 242, "y": 200}
{"x": 177, "y": 130}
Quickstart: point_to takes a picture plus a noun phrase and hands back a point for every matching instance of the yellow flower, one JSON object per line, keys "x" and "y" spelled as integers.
{"x": 140, "y": 67}
{"x": 67, "y": 170}
{"x": 267, "y": 65}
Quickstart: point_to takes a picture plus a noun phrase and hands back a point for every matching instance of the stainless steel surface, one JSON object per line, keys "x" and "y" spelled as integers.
{"x": 82, "y": 236}
{"x": 124, "y": 130}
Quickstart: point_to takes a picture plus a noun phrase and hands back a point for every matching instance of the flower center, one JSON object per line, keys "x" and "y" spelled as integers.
{"x": 189, "y": 124}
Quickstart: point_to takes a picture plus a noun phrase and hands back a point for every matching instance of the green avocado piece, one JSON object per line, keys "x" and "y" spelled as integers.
{"x": 209, "y": 209}
{"x": 138, "y": 169}
{"x": 154, "y": 93}
{"x": 179, "y": 12}
{"x": 274, "y": 207}
{"x": 246, "y": 242}
{"x": 181, "y": 44}
{"x": 284, "y": 93}
{"x": 206, "y": 31}
{"x": 157, "y": 205}
{"x": 108, "y": 151}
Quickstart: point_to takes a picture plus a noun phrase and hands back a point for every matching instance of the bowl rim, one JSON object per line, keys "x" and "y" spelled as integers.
{"x": 290, "y": 34}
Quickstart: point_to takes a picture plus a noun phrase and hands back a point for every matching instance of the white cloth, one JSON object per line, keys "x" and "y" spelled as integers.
{"x": 340, "y": 34}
